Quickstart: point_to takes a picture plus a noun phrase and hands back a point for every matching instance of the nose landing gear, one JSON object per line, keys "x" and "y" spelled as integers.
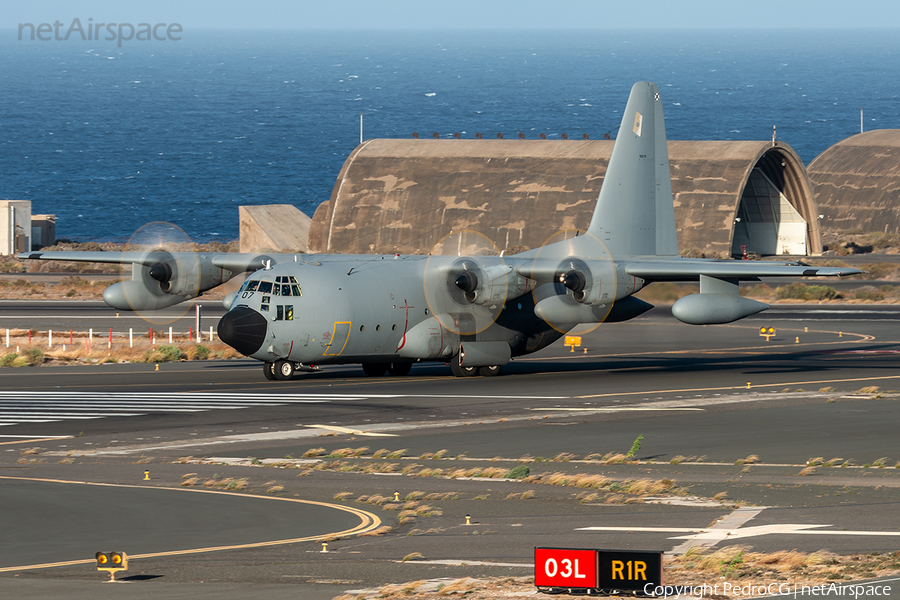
{"x": 282, "y": 370}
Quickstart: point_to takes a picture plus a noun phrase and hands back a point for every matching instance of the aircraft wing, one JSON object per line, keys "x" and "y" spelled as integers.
{"x": 681, "y": 269}
{"x": 118, "y": 258}
{"x": 686, "y": 269}
{"x": 232, "y": 261}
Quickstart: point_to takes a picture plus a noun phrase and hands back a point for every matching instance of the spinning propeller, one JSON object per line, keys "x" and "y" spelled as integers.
{"x": 167, "y": 272}
{"x": 463, "y": 276}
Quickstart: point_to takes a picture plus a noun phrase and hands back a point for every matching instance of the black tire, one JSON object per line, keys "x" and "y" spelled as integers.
{"x": 400, "y": 369}
{"x": 460, "y": 371}
{"x": 375, "y": 369}
{"x": 269, "y": 371}
{"x": 491, "y": 371}
{"x": 284, "y": 370}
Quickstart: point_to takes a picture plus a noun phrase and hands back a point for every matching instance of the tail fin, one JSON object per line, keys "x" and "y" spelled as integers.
{"x": 635, "y": 215}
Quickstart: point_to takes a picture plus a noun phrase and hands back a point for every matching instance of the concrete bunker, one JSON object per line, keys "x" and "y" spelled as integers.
{"x": 406, "y": 195}
{"x": 857, "y": 182}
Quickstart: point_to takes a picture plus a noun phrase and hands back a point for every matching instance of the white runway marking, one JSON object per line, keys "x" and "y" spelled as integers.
{"x": 46, "y": 407}
{"x": 614, "y": 409}
{"x": 742, "y": 532}
{"x": 351, "y": 431}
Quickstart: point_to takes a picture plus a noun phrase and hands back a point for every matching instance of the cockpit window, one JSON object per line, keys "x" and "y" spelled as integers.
{"x": 284, "y": 286}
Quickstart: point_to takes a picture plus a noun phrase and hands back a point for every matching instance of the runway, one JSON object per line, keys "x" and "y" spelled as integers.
{"x": 703, "y": 398}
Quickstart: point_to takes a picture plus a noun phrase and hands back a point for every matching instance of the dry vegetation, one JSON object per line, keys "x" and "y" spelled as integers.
{"x": 734, "y": 564}
{"x": 77, "y": 348}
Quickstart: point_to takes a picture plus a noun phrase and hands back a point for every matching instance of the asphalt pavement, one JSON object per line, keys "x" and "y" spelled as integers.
{"x": 727, "y": 416}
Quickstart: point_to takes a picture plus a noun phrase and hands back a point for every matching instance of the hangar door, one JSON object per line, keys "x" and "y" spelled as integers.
{"x": 767, "y": 223}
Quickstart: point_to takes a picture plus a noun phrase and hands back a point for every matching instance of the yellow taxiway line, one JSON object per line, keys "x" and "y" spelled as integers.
{"x": 369, "y": 522}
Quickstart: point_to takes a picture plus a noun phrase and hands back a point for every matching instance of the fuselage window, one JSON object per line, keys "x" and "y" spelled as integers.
{"x": 265, "y": 303}
{"x": 265, "y": 287}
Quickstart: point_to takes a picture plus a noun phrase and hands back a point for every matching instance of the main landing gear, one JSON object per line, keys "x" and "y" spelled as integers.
{"x": 459, "y": 370}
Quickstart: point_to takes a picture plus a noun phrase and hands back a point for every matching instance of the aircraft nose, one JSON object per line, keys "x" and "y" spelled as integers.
{"x": 243, "y": 329}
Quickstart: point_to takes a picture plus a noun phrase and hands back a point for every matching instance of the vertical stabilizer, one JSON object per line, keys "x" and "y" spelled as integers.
{"x": 634, "y": 215}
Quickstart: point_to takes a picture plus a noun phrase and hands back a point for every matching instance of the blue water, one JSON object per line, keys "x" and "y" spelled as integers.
{"x": 111, "y": 138}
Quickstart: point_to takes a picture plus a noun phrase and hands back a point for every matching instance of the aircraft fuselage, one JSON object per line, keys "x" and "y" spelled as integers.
{"x": 376, "y": 310}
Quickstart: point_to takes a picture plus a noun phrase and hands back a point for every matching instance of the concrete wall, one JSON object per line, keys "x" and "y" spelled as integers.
{"x": 43, "y": 231}
{"x": 273, "y": 228}
{"x": 15, "y": 226}
{"x": 405, "y": 195}
{"x": 857, "y": 182}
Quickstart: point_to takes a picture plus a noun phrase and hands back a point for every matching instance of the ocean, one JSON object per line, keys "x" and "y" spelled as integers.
{"x": 111, "y": 138}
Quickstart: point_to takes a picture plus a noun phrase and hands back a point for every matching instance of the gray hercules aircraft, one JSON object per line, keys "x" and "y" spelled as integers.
{"x": 473, "y": 312}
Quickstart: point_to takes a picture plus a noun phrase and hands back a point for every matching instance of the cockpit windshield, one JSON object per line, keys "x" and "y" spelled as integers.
{"x": 284, "y": 285}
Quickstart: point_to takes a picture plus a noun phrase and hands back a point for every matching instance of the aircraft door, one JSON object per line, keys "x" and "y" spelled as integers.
{"x": 338, "y": 339}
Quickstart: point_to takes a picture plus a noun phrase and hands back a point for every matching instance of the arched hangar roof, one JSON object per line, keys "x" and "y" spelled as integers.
{"x": 857, "y": 182}
{"x": 396, "y": 195}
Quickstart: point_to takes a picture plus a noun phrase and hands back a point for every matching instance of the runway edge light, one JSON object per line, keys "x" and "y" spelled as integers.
{"x": 111, "y": 562}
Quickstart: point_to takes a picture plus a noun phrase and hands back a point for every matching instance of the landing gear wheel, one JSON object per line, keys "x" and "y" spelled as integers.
{"x": 460, "y": 371}
{"x": 374, "y": 369}
{"x": 491, "y": 371}
{"x": 284, "y": 369}
{"x": 400, "y": 369}
{"x": 269, "y": 371}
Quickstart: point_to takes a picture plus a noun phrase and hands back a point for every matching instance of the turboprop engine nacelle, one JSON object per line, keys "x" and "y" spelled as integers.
{"x": 184, "y": 274}
{"x": 598, "y": 284}
{"x": 142, "y": 292}
{"x": 163, "y": 279}
{"x": 714, "y": 309}
{"x": 490, "y": 285}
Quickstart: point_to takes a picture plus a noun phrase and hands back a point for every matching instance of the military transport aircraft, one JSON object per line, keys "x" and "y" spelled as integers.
{"x": 473, "y": 312}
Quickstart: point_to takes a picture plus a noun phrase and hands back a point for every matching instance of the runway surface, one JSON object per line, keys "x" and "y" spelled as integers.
{"x": 684, "y": 389}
